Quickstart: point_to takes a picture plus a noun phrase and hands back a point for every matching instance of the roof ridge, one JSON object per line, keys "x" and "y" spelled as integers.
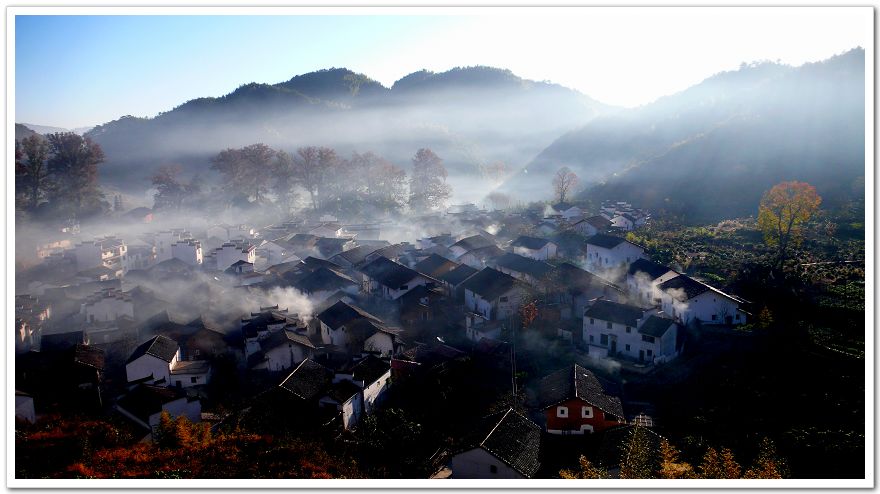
{"x": 496, "y": 426}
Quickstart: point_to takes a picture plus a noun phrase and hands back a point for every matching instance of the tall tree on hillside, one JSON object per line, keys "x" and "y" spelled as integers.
{"x": 73, "y": 164}
{"x": 428, "y": 189}
{"x": 563, "y": 182}
{"x": 283, "y": 181}
{"x": 246, "y": 170}
{"x": 30, "y": 168}
{"x": 783, "y": 212}
{"x": 311, "y": 167}
{"x": 382, "y": 184}
{"x": 170, "y": 191}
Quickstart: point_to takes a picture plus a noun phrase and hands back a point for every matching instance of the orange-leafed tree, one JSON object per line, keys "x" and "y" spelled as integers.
{"x": 783, "y": 212}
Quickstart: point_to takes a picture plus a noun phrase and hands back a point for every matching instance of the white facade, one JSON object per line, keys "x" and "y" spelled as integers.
{"x": 185, "y": 375}
{"x": 500, "y": 308}
{"x": 644, "y": 290}
{"x": 228, "y": 254}
{"x": 285, "y": 356}
{"x": 395, "y": 293}
{"x": 108, "y": 308}
{"x": 606, "y": 338}
{"x": 380, "y": 342}
{"x": 600, "y": 259}
{"x": 147, "y": 365}
{"x": 478, "y": 463}
{"x": 188, "y": 251}
{"x": 709, "y": 307}
{"x": 548, "y": 251}
{"x": 374, "y": 392}
{"x": 163, "y": 241}
{"x": 622, "y": 223}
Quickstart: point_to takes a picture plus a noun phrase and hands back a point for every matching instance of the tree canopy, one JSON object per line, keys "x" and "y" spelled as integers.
{"x": 783, "y": 212}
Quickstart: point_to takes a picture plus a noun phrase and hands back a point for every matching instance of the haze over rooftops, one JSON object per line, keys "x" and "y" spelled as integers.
{"x": 531, "y": 243}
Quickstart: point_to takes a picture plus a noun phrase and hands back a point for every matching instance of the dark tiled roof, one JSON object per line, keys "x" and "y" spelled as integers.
{"x": 483, "y": 253}
{"x": 341, "y": 313}
{"x": 369, "y": 369}
{"x": 688, "y": 285}
{"x": 61, "y": 341}
{"x": 89, "y": 355}
{"x": 323, "y": 279}
{"x": 356, "y": 255}
{"x": 329, "y": 246}
{"x": 308, "y": 380}
{"x": 473, "y": 242}
{"x": 145, "y": 400}
{"x": 516, "y": 441}
{"x": 286, "y": 336}
{"x": 434, "y": 263}
{"x": 522, "y": 264}
{"x": 577, "y": 382}
{"x": 598, "y": 222}
{"x": 561, "y": 206}
{"x": 656, "y": 326}
{"x": 343, "y": 390}
{"x": 313, "y": 263}
{"x": 615, "y": 312}
{"x": 531, "y": 243}
{"x": 651, "y": 268}
{"x": 160, "y": 347}
{"x": 388, "y": 273}
{"x": 489, "y": 283}
{"x": 574, "y": 277}
{"x": 458, "y": 274}
{"x": 605, "y": 241}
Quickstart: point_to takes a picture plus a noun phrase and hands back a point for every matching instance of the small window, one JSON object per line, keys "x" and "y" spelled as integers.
{"x": 591, "y": 338}
{"x": 562, "y": 412}
{"x": 194, "y": 380}
{"x": 714, "y": 317}
{"x": 592, "y": 321}
{"x": 627, "y": 348}
{"x": 586, "y": 412}
{"x": 628, "y": 329}
{"x": 650, "y": 352}
{"x": 493, "y": 469}
{"x": 736, "y": 317}
{"x": 608, "y": 325}
{"x": 504, "y": 299}
{"x": 649, "y": 339}
{"x": 603, "y": 339}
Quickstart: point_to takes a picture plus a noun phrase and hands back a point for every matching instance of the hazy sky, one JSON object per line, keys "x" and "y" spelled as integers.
{"x": 73, "y": 71}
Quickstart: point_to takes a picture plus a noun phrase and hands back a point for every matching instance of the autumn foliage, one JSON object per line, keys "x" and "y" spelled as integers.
{"x": 181, "y": 450}
{"x": 783, "y": 212}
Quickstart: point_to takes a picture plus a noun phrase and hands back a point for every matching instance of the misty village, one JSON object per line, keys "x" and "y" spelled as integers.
{"x": 464, "y": 275}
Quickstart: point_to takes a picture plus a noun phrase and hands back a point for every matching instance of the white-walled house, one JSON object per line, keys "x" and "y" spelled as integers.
{"x": 534, "y": 247}
{"x": 373, "y": 375}
{"x": 152, "y": 361}
{"x": 606, "y": 252}
{"x": 508, "y": 448}
{"x": 229, "y": 253}
{"x": 188, "y": 251}
{"x": 493, "y": 294}
{"x": 591, "y": 226}
{"x": 626, "y": 331}
{"x": 347, "y": 326}
{"x": 107, "y": 305}
{"x": 285, "y": 349}
{"x": 468, "y": 244}
{"x": 164, "y": 239}
{"x": 107, "y": 252}
{"x": 188, "y": 373}
{"x": 144, "y": 405}
{"x": 688, "y": 300}
{"x": 643, "y": 278}
{"x": 389, "y": 279}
